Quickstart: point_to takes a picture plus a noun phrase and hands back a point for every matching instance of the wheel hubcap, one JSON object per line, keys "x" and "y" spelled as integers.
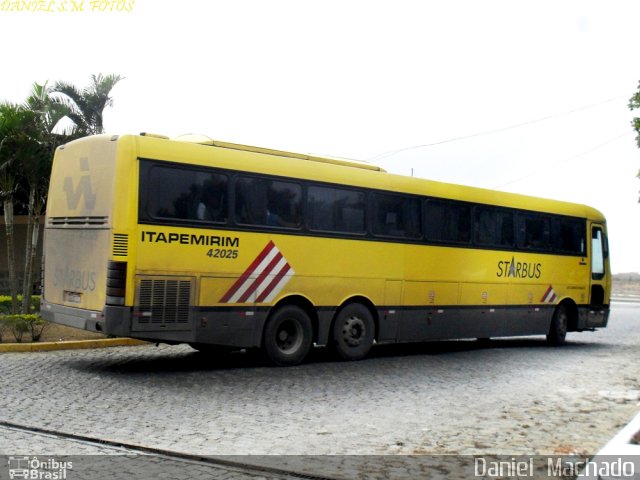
{"x": 562, "y": 327}
{"x": 289, "y": 336}
{"x": 353, "y": 330}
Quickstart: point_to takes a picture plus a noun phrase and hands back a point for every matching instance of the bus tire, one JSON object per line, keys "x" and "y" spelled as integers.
{"x": 558, "y": 328}
{"x": 353, "y": 332}
{"x": 287, "y": 336}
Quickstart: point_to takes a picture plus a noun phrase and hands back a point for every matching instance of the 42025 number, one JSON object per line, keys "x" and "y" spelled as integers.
{"x": 222, "y": 253}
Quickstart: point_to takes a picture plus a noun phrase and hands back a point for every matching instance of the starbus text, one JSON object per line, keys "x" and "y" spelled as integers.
{"x": 513, "y": 269}
{"x": 75, "y": 279}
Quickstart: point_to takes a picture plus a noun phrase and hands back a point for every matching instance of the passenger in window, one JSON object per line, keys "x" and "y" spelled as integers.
{"x": 184, "y": 206}
{"x": 282, "y": 204}
{"x": 275, "y": 220}
{"x": 211, "y": 206}
{"x": 251, "y": 200}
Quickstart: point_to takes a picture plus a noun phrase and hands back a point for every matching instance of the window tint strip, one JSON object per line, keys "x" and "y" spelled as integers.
{"x": 195, "y": 196}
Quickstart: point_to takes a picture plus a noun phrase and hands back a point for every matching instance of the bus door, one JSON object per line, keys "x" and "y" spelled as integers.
{"x": 599, "y": 277}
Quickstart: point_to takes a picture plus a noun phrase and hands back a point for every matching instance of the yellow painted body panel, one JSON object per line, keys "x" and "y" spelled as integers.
{"x": 328, "y": 271}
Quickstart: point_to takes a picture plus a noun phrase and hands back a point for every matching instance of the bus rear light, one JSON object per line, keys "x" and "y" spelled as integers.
{"x": 116, "y": 283}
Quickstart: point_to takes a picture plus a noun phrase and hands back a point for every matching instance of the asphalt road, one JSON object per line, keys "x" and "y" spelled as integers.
{"x": 507, "y": 397}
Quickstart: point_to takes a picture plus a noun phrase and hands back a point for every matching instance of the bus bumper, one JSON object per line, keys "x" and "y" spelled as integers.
{"x": 118, "y": 323}
{"x": 220, "y": 328}
{"x": 71, "y": 317}
{"x": 598, "y": 316}
{"x": 227, "y": 328}
{"x": 593, "y": 316}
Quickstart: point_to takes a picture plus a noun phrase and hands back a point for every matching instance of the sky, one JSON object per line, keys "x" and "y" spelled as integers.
{"x": 522, "y": 96}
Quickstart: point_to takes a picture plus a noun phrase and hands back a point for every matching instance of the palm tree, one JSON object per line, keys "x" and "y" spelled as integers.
{"x": 86, "y": 106}
{"x": 49, "y": 111}
{"x": 18, "y": 134}
{"x": 634, "y": 103}
{"x": 29, "y": 135}
{"x": 36, "y": 169}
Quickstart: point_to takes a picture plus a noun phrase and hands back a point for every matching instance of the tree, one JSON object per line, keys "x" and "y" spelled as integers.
{"x": 29, "y": 135}
{"x": 634, "y": 102}
{"x": 86, "y": 106}
{"x": 18, "y": 133}
{"x": 36, "y": 169}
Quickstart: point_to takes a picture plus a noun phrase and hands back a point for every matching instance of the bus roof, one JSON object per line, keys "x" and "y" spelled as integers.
{"x": 204, "y": 140}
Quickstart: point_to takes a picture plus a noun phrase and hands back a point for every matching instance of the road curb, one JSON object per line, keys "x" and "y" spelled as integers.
{"x": 69, "y": 345}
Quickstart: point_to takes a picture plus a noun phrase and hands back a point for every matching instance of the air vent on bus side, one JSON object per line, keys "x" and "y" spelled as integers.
{"x": 163, "y": 302}
{"x": 120, "y": 244}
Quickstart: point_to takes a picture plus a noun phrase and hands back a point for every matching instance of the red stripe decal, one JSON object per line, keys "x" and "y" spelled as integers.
{"x": 247, "y": 273}
{"x": 276, "y": 279}
{"x": 549, "y": 296}
{"x": 256, "y": 283}
{"x": 544, "y": 297}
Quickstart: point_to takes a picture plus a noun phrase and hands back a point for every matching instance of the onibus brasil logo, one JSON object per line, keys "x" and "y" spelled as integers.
{"x": 38, "y": 469}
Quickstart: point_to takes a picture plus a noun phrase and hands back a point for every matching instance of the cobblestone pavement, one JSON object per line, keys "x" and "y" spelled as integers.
{"x": 510, "y": 396}
{"x": 85, "y": 461}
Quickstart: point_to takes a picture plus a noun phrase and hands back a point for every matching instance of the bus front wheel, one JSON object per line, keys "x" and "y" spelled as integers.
{"x": 353, "y": 332}
{"x": 558, "y": 329}
{"x": 288, "y": 335}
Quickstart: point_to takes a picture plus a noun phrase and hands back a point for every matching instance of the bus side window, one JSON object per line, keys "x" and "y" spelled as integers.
{"x": 268, "y": 202}
{"x": 212, "y": 204}
{"x": 494, "y": 227}
{"x": 251, "y": 201}
{"x": 534, "y": 232}
{"x": 284, "y": 204}
{"x": 447, "y": 222}
{"x": 336, "y": 210}
{"x": 569, "y": 236}
{"x": 396, "y": 216}
{"x": 173, "y": 193}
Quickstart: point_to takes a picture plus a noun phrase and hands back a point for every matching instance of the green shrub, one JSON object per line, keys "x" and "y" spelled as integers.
{"x": 5, "y": 303}
{"x": 4, "y": 328}
{"x": 20, "y": 324}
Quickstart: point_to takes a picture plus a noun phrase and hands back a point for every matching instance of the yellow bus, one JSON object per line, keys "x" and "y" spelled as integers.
{"x": 223, "y": 245}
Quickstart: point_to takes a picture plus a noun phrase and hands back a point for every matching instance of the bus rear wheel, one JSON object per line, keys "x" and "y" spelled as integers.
{"x": 558, "y": 329}
{"x": 353, "y": 332}
{"x": 287, "y": 336}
